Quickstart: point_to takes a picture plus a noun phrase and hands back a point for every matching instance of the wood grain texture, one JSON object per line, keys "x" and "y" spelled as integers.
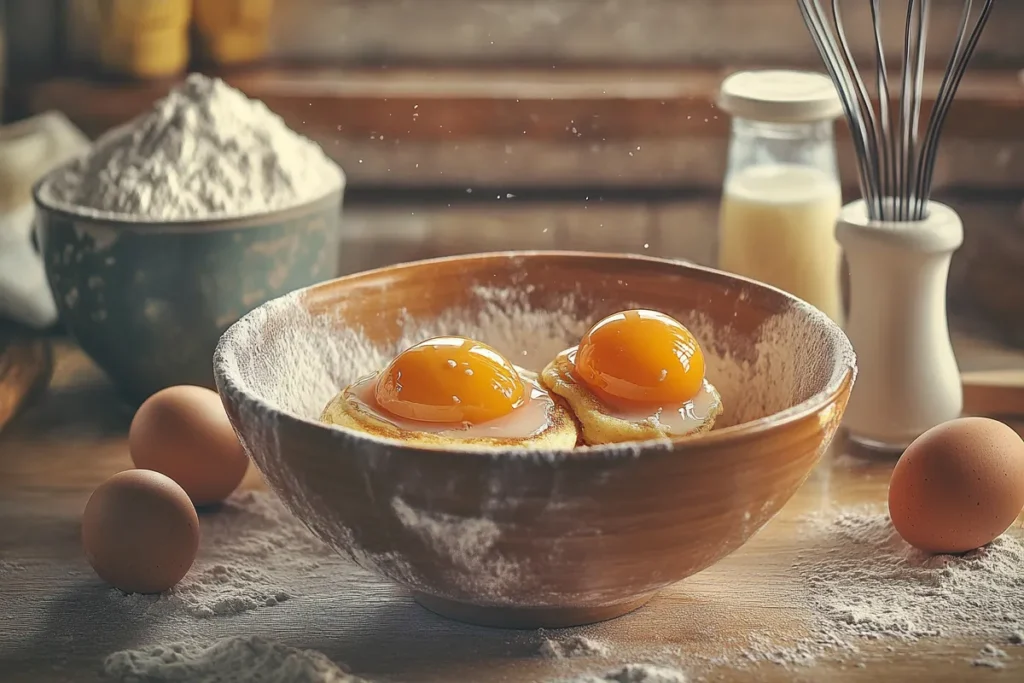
{"x": 599, "y": 32}
{"x": 578, "y": 105}
{"x": 564, "y": 32}
{"x": 473, "y": 127}
{"x": 57, "y": 621}
{"x": 987, "y": 273}
{"x": 994, "y": 392}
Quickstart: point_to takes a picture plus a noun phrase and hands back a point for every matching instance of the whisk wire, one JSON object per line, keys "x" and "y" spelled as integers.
{"x": 863, "y": 102}
{"x": 910, "y": 98}
{"x": 814, "y": 17}
{"x": 923, "y": 16}
{"x": 887, "y": 153}
{"x": 896, "y": 158}
{"x": 955, "y": 71}
{"x": 951, "y": 66}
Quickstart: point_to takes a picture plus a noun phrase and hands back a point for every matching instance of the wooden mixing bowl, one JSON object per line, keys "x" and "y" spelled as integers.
{"x": 534, "y": 538}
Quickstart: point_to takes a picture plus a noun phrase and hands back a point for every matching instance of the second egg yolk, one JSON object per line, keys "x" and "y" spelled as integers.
{"x": 450, "y": 380}
{"x": 641, "y": 357}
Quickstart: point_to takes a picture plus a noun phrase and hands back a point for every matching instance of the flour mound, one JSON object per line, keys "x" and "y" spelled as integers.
{"x": 233, "y": 660}
{"x": 867, "y": 582}
{"x": 576, "y": 646}
{"x": 221, "y": 590}
{"x": 204, "y": 151}
{"x": 635, "y": 673}
{"x": 864, "y": 583}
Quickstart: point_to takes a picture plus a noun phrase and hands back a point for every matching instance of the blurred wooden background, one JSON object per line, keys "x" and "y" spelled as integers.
{"x": 469, "y": 125}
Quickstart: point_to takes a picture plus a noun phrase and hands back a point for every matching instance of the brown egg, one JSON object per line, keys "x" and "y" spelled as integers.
{"x": 183, "y": 432}
{"x": 958, "y": 486}
{"x": 140, "y": 532}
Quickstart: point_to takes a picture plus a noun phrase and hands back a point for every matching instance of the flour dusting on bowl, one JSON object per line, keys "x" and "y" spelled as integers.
{"x": 467, "y": 541}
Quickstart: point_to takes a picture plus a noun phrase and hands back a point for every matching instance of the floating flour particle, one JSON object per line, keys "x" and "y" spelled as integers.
{"x": 635, "y": 673}
{"x": 252, "y": 552}
{"x": 232, "y": 660}
{"x": 576, "y": 646}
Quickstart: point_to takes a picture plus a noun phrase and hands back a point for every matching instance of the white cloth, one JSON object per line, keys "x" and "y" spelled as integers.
{"x": 24, "y": 292}
{"x": 28, "y": 150}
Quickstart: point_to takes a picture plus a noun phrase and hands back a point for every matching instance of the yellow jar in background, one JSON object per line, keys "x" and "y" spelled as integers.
{"x": 144, "y": 38}
{"x": 231, "y": 32}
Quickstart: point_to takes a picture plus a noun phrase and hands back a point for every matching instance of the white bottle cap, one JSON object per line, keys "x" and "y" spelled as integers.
{"x": 780, "y": 96}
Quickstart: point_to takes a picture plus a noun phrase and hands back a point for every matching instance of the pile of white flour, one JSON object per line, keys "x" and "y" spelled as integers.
{"x": 259, "y": 660}
{"x": 204, "y": 151}
{"x": 573, "y": 646}
{"x": 864, "y": 583}
{"x": 634, "y": 673}
{"x": 859, "y": 582}
{"x": 250, "y": 660}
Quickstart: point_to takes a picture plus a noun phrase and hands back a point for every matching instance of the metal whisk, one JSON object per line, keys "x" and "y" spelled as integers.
{"x": 896, "y": 161}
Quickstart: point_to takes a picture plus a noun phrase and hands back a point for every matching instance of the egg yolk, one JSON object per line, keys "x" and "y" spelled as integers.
{"x": 640, "y": 357}
{"x": 449, "y": 380}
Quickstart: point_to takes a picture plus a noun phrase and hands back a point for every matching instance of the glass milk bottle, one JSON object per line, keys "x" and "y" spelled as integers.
{"x": 781, "y": 195}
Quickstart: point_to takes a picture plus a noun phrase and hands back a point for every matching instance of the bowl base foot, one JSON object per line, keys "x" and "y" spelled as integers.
{"x": 527, "y": 617}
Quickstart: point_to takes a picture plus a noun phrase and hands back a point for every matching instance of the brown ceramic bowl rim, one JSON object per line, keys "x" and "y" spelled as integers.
{"x": 843, "y": 374}
{"x": 115, "y": 221}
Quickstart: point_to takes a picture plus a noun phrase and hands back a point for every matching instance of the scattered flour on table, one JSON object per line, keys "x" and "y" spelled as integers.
{"x": 574, "y": 646}
{"x": 7, "y": 566}
{"x": 634, "y": 673}
{"x": 251, "y": 551}
{"x": 990, "y": 657}
{"x": 203, "y": 151}
{"x": 232, "y": 660}
{"x": 864, "y": 583}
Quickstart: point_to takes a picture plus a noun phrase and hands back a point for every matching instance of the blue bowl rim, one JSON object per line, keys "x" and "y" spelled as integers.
{"x": 113, "y": 221}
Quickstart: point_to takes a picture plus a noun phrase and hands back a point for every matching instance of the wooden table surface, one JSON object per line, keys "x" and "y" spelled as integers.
{"x": 58, "y": 622}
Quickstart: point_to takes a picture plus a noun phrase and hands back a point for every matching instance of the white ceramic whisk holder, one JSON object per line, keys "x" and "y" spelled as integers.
{"x": 908, "y": 378}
